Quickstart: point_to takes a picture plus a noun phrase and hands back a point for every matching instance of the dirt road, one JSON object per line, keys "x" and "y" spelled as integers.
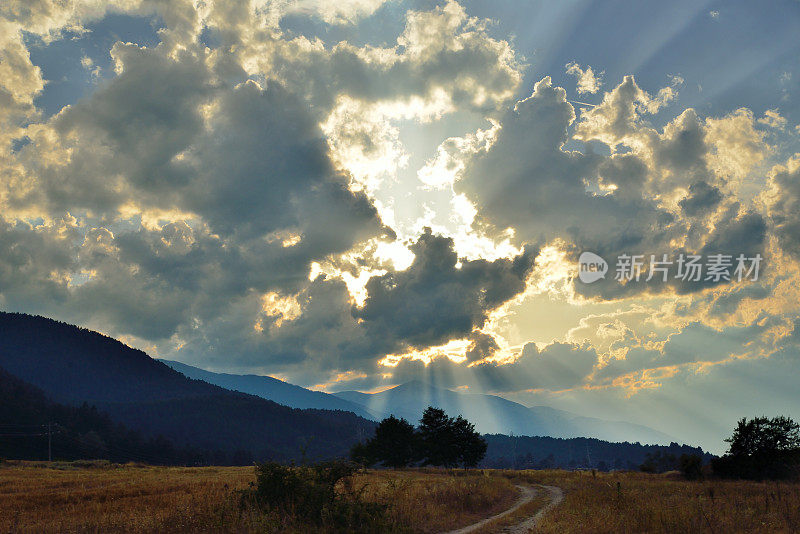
{"x": 527, "y": 493}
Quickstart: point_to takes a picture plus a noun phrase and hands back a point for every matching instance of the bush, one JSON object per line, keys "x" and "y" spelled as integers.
{"x": 319, "y": 495}
{"x": 691, "y": 466}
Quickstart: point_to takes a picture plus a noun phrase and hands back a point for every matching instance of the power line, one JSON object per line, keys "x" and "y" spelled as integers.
{"x": 582, "y": 103}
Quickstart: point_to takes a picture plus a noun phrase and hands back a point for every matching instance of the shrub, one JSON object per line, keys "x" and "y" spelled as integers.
{"x": 319, "y": 495}
{"x": 691, "y": 466}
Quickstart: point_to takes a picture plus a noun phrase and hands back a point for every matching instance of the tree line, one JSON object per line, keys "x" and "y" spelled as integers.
{"x": 760, "y": 448}
{"x": 439, "y": 440}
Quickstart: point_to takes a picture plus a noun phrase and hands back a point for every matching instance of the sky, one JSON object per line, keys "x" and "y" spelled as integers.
{"x": 350, "y": 195}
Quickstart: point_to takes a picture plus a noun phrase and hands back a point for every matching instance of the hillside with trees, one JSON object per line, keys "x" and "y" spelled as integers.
{"x": 524, "y": 452}
{"x": 73, "y": 366}
{"x": 32, "y": 427}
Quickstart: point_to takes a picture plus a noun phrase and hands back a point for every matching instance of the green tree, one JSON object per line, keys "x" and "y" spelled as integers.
{"x": 393, "y": 445}
{"x": 449, "y": 442}
{"x": 438, "y": 438}
{"x": 470, "y": 446}
{"x": 761, "y": 435}
{"x": 761, "y": 448}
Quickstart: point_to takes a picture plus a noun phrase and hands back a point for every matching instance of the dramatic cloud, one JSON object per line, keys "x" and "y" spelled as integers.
{"x": 588, "y": 81}
{"x": 358, "y": 193}
{"x": 783, "y": 201}
{"x": 439, "y": 297}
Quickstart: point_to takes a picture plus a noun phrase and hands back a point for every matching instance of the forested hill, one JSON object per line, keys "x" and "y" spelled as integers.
{"x": 524, "y": 452}
{"x": 57, "y": 373}
{"x": 32, "y": 427}
{"x": 72, "y": 365}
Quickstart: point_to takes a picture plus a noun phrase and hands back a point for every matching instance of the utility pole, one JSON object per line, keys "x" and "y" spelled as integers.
{"x": 49, "y": 443}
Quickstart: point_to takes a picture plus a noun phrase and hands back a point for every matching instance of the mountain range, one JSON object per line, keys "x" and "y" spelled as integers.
{"x": 111, "y": 401}
{"x": 272, "y": 389}
{"x": 496, "y": 415}
{"x": 73, "y": 366}
{"x": 491, "y": 414}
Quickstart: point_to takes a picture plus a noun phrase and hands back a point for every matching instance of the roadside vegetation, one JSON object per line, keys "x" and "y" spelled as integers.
{"x": 339, "y": 496}
{"x": 102, "y": 497}
{"x": 133, "y": 498}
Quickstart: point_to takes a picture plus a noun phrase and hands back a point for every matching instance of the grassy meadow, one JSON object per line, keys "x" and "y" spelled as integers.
{"x": 133, "y": 498}
{"x": 640, "y": 502}
{"x": 100, "y": 497}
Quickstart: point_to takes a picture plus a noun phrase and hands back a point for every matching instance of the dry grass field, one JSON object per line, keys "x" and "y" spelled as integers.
{"x": 132, "y": 498}
{"x": 640, "y": 502}
{"x": 117, "y": 499}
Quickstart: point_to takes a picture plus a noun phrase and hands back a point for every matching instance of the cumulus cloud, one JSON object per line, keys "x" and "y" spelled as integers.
{"x": 341, "y": 12}
{"x": 233, "y": 195}
{"x": 773, "y": 119}
{"x": 588, "y": 81}
{"x": 438, "y": 297}
{"x": 658, "y": 192}
{"x": 783, "y": 203}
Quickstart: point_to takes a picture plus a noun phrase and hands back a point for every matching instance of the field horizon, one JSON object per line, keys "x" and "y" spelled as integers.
{"x": 99, "y": 496}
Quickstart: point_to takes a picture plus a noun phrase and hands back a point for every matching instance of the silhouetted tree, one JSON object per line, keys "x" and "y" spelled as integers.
{"x": 470, "y": 446}
{"x": 438, "y": 438}
{"x": 691, "y": 466}
{"x": 761, "y": 435}
{"x": 449, "y": 442}
{"x": 394, "y": 444}
{"x": 761, "y": 448}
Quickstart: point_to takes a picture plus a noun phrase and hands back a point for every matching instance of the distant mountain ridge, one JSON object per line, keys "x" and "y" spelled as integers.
{"x": 272, "y": 389}
{"x": 490, "y": 413}
{"x": 72, "y": 365}
{"x": 496, "y": 415}
{"x": 49, "y": 370}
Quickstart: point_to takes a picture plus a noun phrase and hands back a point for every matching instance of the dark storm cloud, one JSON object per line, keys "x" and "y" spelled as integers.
{"x": 437, "y": 299}
{"x": 527, "y": 180}
{"x": 243, "y": 176}
{"x": 264, "y": 165}
{"x": 610, "y": 205}
{"x": 482, "y": 346}
{"x": 701, "y": 198}
{"x": 430, "y": 303}
{"x": 123, "y": 138}
{"x": 34, "y": 263}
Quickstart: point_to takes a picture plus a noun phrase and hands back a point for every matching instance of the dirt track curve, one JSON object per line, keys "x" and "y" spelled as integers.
{"x": 527, "y": 495}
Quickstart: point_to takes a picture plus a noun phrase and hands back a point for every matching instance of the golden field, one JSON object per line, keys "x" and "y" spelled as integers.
{"x": 134, "y": 498}
{"x": 640, "y": 502}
